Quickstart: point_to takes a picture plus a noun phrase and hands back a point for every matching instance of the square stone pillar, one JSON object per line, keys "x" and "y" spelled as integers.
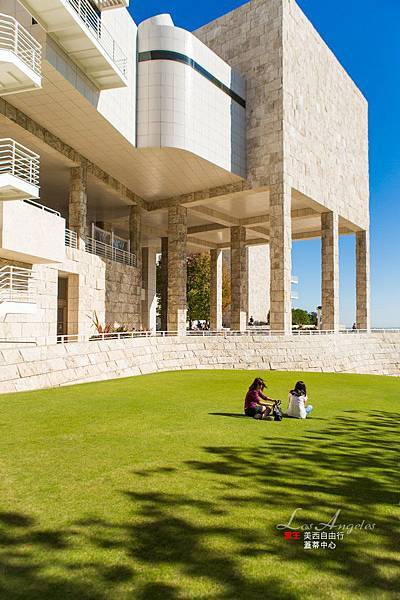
{"x": 164, "y": 284}
{"x": 330, "y": 271}
{"x": 135, "y": 233}
{"x": 281, "y": 259}
{"x": 259, "y": 282}
{"x": 77, "y": 205}
{"x": 363, "y": 319}
{"x": 238, "y": 279}
{"x": 177, "y": 269}
{"x": 215, "y": 290}
{"x": 149, "y": 304}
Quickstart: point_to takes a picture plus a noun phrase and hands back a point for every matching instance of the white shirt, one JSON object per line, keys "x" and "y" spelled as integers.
{"x": 297, "y": 406}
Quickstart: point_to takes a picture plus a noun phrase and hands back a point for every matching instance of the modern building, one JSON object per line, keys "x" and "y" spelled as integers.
{"x": 119, "y": 142}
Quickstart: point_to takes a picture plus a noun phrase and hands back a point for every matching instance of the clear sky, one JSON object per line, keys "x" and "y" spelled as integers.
{"x": 364, "y": 35}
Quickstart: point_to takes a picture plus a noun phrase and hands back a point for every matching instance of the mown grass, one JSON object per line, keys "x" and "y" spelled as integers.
{"x": 157, "y": 487}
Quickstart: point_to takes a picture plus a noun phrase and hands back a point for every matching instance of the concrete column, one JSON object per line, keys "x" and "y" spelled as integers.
{"x": 149, "y": 304}
{"x": 177, "y": 269}
{"x": 135, "y": 233}
{"x": 330, "y": 271}
{"x": 164, "y": 284}
{"x": 77, "y": 206}
{"x": 281, "y": 259}
{"x": 238, "y": 279}
{"x": 216, "y": 290}
{"x": 363, "y": 319}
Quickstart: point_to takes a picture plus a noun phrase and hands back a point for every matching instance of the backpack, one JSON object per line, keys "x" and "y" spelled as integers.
{"x": 277, "y": 412}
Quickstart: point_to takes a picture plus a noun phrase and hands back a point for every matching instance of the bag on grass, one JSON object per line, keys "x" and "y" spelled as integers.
{"x": 276, "y": 411}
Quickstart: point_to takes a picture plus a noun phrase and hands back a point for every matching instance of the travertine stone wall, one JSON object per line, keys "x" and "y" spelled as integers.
{"x": 111, "y": 289}
{"x": 250, "y": 40}
{"x": 164, "y": 284}
{"x": 259, "y": 282}
{"x": 363, "y": 318}
{"x": 77, "y": 206}
{"x": 135, "y": 233}
{"x": 49, "y": 366}
{"x": 177, "y": 270}
{"x": 307, "y": 123}
{"x": 325, "y": 124}
{"x": 215, "y": 289}
{"x": 43, "y": 323}
{"x": 238, "y": 279}
{"x": 281, "y": 259}
{"x": 330, "y": 271}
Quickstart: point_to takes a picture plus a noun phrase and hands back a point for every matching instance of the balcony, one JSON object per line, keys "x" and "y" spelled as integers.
{"x": 20, "y": 58}
{"x": 17, "y": 290}
{"x": 78, "y": 28}
{"x": 19, "y": 171}
{"x": 110, "y": 252}
{"x": 31, "y": 233}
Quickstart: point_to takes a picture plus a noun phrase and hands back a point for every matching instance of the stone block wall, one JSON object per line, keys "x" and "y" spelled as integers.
{"x": 43, "y": 323}
{"x": 325, "y": 122}
{"x": 110, "y": 289}
{"x": 49, "y": 366}
{"x": 307, "y": 122}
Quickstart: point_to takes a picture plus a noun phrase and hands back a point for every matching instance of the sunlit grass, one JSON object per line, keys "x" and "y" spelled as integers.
{"x": 158, "y": 487}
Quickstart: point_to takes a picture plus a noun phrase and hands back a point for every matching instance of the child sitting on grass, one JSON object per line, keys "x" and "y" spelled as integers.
{"x": 298, "y": 402}
{"x": 253, "y": 407}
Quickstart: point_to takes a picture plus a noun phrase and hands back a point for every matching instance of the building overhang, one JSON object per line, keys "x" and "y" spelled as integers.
{"x": 78, "y": 29}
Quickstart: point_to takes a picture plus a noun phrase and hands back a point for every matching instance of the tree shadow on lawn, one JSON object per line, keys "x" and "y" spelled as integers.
{"x": 351, "y": 464}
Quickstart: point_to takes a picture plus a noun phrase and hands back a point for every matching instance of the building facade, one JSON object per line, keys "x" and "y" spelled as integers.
{"x": 120, "y": 142}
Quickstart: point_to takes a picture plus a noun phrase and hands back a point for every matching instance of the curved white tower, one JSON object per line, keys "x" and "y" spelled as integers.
{"x": 188, "y": 97}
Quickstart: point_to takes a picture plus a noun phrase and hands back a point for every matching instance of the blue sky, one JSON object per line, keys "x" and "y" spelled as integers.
{"x": 364, "y": 35}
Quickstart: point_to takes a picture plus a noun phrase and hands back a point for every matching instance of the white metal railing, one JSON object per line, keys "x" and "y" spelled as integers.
{"x": 19, "y": 161}
{"x": 294, "y": 279}
{"x": 123, "y": 335}
{"x": 111, "y": 252}
{"x": 42, "y": 207}
{"x": 92, "y": 20}
{"x": 71, "y": 239}
{"x": 18, "y": 40}
{"x": 16, "y": 284}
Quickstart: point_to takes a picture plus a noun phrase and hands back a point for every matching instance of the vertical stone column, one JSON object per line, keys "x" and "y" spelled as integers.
{"x": 363, "y": 319}
{"x": 77, "y": 206}
{"x": 215, "y": 290}
{"x": 238, "y": 279}
{"x": 164, "y": 284}
{"x": 330, "y": 271}
{"x": 149, "y": 304}
{"x": 135, "y": 233}
{"x": 177, "y": 269}
{"x": 259, "y": 282}
{"x": 281, "y": 259}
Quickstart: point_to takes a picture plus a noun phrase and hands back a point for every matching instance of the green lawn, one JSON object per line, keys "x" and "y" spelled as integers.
{"x": 157, "y": 487}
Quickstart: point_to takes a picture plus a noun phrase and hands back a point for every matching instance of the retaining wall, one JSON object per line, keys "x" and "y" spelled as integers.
{"x": 49, "y": 366}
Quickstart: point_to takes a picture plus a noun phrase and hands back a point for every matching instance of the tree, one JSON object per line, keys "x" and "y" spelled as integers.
{"x": 198, "y": 287}
{"x": 300, "y": 317}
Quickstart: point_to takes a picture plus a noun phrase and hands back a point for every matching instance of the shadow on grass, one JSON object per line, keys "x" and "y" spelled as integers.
{"x": 351, "y": 465}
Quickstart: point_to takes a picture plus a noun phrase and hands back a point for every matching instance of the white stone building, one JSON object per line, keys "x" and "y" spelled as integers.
{"x": 119, "y": 142}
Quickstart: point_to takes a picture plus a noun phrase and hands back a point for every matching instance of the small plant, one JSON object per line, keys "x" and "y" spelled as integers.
{"x": 107, "y": 327}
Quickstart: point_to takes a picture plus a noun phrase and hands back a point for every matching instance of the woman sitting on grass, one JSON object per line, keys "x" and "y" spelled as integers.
{"x": 253, "y": 407}
{"x": 298, "y": 408}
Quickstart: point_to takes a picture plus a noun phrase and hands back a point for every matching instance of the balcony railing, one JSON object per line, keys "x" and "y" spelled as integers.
{"x": 17, "y": 160}
{"x": 71, "y": 239}
{"x": 92, "y": 20}
{"x": 16, "y": 285}
{"x": 108, "y": 251}
{"x": 18, "y": 40}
